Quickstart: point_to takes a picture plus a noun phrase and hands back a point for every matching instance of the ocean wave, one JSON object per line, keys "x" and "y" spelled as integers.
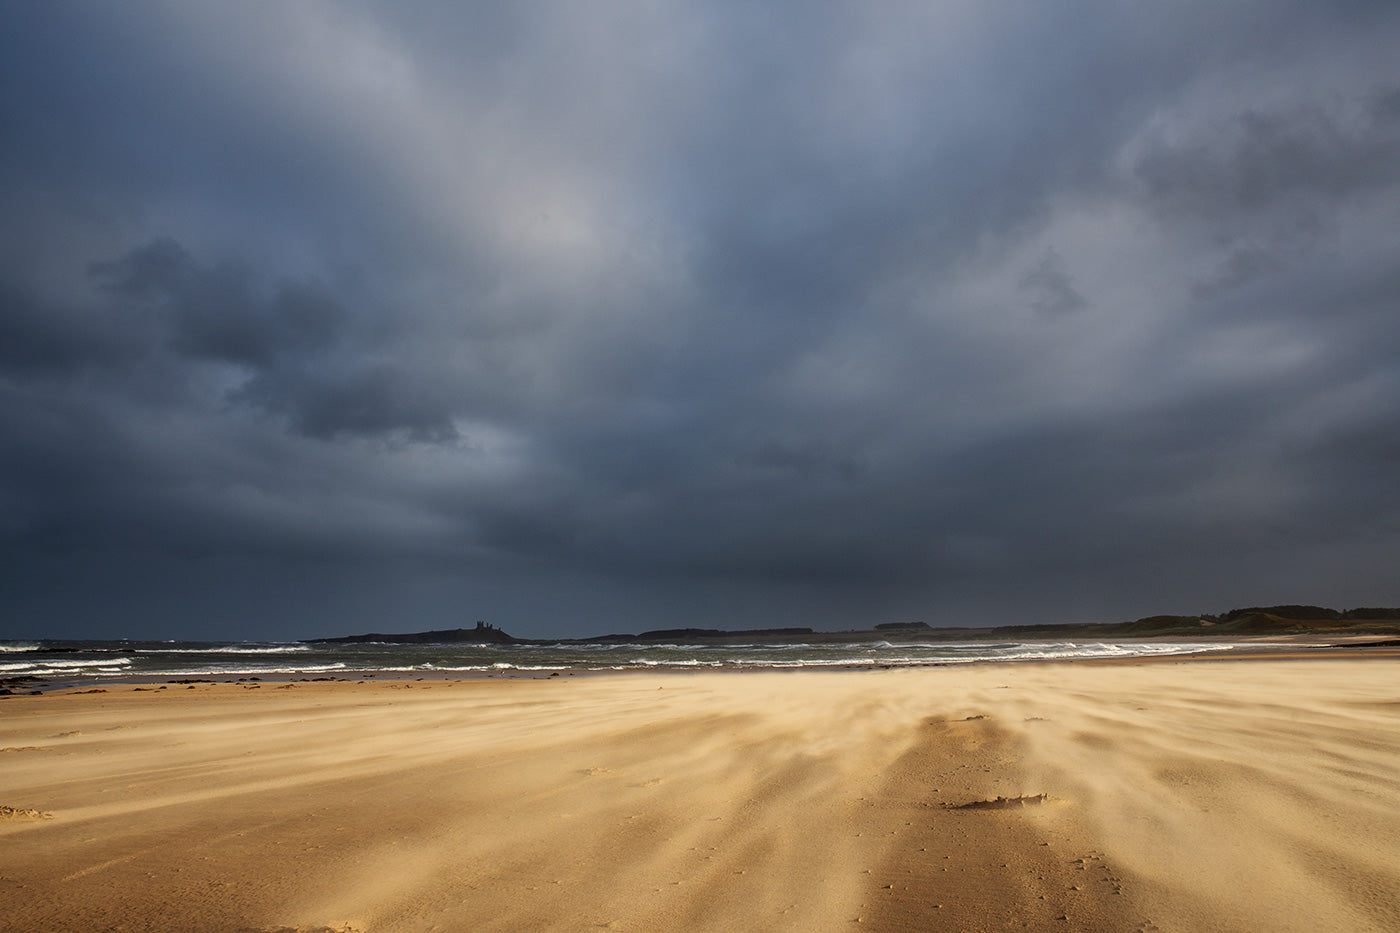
{"x": 66, "y": 665}
{"x": 260, "y": 669}
{"x": 41, "y": 670}
{"x": 232, "y": 649}
{"x": 848, "y": 661}
{"x": 289, "y": 660}
{"x": 213, "y": 670}
{"x": 39, "y": 667}
{"x": 1069, "y": 650}
{"x": 501, "y": 666}
{"x": 17, "y": 647}
{"x": 672, "y": 646}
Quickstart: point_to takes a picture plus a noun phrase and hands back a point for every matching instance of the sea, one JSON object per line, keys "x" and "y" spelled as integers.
{"x": 55, "y": 663}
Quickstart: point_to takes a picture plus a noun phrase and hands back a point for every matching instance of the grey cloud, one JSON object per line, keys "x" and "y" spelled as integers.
{"x": 1385, "y": 105}
{"x": 371, "y": 400}
{"x": 1260, "y": 158}
{"x": 1244, "y": 263}
{"x": 218, "y": 313}
{"x": 38, "y": 340}
{"x": 1050, "y": 286}
{"x": 301, "y": 353}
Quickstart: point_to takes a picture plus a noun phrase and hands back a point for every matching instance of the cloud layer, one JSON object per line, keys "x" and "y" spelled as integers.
{"x": 322, "y": 316}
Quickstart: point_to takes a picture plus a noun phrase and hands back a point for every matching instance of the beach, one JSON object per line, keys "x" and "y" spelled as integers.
{"x": 1167, "y": 794}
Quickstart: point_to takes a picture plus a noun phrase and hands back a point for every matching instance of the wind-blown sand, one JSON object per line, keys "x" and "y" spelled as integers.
{"x": 1230, "y": 795}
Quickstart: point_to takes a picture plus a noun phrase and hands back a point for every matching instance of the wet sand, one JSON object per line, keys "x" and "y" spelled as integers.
{"x": 1166, "y": 795}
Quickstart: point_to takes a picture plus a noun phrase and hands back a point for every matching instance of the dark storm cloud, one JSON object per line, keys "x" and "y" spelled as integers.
{"x": 1259, "y": 157}
{"x": 329, "y": 316}
{"x": 293, "y": 346}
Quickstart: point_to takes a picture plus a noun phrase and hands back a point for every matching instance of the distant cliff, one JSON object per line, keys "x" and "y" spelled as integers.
{"x": 1252, "y": 621}
{"x": 482, "y": 634}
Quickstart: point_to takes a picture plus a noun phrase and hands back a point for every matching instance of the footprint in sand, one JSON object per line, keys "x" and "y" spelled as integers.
{"x": 23, "y": 813}
{"x": 1001, "y": 803}
{"x": 298, "y": 930}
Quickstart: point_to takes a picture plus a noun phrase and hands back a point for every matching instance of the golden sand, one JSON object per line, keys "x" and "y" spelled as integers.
{"x": 1231, "y": 795}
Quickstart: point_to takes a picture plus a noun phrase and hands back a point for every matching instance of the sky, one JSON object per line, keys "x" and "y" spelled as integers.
{"x": 332, "y": 317}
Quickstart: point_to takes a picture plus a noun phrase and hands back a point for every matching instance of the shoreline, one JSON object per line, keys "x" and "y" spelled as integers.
{"x": 1302, "y": 646}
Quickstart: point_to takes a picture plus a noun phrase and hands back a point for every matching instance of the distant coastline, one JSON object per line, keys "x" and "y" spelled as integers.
{"x": 1250, "y": 622}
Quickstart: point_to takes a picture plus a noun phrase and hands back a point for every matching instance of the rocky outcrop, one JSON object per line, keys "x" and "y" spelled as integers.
{"x": 482, "y": 634}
